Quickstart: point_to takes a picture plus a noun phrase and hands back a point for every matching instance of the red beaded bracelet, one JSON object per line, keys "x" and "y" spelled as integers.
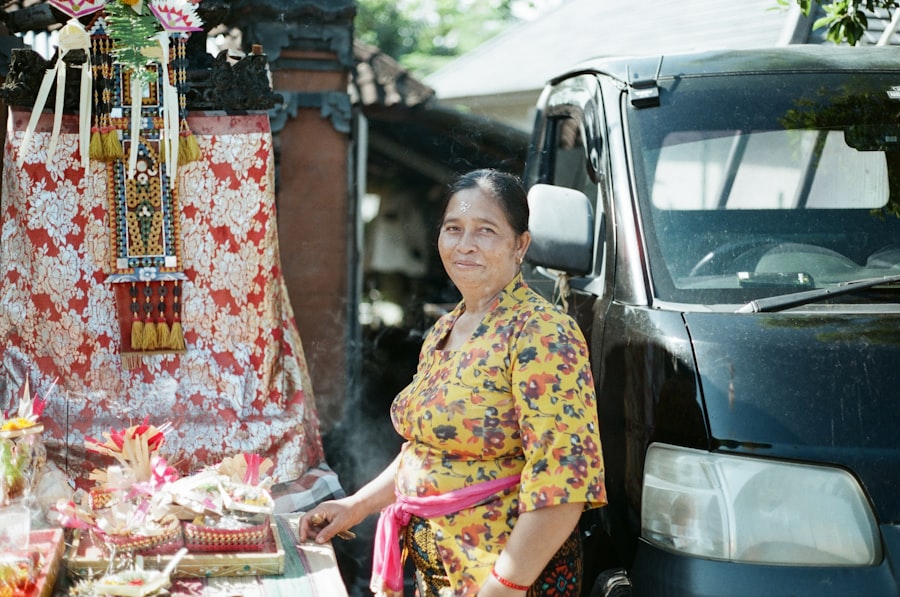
{"x": 507, "y": 583}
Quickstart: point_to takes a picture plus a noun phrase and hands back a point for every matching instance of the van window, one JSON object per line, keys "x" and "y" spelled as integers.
{"x": 767, "y": 185}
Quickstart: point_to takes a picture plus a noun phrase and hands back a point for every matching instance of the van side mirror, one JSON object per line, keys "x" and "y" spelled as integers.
{"x": 562, "y": 229}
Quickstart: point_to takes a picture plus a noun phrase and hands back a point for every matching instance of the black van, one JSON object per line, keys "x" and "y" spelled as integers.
{"x": 726, "y": 228}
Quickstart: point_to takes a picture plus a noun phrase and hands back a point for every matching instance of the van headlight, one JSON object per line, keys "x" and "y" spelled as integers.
{"x": 755, "y": 510}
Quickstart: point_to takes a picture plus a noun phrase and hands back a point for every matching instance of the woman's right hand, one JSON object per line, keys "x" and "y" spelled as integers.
{"x": 329, "y": 518}
{"x": 332, "y": 517}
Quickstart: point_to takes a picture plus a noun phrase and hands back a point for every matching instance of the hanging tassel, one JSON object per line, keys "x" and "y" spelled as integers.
{"x": 188, "y": 148}
{"x": 149, "y": 339}
{"x": 137, "y": 326}
{"x": 137, "y": 334}
{"x": 163, "y": 334}
{"x": 96, "y": 145}
{"x": 176, "y": 336}
{"x": 176, "y": 333}
{"x": 112, "y": 146}
{"x": 98, "y": 59}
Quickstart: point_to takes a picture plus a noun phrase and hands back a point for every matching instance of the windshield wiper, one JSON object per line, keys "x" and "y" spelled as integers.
{"x": 785, "y": 301}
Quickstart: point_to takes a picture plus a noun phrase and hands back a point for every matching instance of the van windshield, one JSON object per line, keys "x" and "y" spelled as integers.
{"x": 759, "y": 185}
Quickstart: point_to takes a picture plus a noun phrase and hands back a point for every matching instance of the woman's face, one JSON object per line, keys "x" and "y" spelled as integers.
{"x": 479, "y": 248}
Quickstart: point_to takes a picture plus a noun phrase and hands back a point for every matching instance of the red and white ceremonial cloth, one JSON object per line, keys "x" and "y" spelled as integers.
{"x": 241, "y": 387}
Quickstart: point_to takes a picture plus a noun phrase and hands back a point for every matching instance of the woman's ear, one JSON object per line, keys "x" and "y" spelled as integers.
{"x": 522, "y": 244}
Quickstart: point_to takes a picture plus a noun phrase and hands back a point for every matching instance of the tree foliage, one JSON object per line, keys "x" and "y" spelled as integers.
{"x": 424, "y": 34}
{"x": 844, "y": 20}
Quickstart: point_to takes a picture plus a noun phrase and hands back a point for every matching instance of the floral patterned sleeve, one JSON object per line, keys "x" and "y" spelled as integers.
{"x": 556, "y": 407}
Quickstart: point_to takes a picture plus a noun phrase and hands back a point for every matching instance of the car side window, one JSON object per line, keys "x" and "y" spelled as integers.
{"x": 573, "y": 149}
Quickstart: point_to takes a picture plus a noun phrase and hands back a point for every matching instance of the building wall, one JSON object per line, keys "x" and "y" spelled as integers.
{"x": 315, "y": 233}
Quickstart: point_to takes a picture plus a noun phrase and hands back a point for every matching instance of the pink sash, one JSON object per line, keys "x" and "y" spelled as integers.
{"x": 387, "y": 565}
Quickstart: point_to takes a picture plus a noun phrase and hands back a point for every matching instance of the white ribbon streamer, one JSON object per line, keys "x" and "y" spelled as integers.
{"x": 71, "y": 37}
{"x": 137, "y": 90}
{"x": 169, "y": 137}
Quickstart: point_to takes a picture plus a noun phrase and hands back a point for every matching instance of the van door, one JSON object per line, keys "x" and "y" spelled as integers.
{"x": 569, "y": 149}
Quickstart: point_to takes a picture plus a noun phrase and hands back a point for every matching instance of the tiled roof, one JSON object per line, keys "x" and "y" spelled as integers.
{"x": 378, "y": 80}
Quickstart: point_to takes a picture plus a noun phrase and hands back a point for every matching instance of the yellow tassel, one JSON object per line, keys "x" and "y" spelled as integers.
{"x": 176, "y": 336}
{"x": 188, "y": 149}
{"x": 112, "y": 146}
{"x": 137, "y": 333}
{"x": 163, "y": 335}
{"x": 149, "y": 339}
{"x": 95, "y": 149}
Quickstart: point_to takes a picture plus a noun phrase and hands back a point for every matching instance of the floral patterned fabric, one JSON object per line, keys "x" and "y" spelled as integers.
{"x": 242, "y": 385}
{"x": 518, "y": 397}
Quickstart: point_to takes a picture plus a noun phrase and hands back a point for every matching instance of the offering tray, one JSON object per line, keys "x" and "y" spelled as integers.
{"x": 85, "y": 559}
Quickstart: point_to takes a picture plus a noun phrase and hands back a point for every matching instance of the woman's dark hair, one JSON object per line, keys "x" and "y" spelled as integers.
{"x": 503, "y": 187}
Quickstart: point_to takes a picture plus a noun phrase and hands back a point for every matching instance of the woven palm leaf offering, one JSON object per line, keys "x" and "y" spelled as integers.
{"x": 135, "y": 513}
{"x": 229, "y": 505}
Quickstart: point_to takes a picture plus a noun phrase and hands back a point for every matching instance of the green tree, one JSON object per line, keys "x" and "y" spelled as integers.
{"x": 425, "y": 34}
{"x": 844, "y": 20}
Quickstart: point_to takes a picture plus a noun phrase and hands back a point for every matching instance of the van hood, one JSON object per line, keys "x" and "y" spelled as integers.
{"x": 809, "y": 386}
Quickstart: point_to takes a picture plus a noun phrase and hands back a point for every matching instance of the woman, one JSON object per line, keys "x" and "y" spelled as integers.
{"x": 502, "y": 452}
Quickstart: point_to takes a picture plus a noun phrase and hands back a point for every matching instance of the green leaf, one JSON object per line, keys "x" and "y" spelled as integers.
{"x": 131, "y": 33}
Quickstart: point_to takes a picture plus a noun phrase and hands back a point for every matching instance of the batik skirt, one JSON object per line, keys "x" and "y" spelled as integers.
{"x": 561, "y": 576}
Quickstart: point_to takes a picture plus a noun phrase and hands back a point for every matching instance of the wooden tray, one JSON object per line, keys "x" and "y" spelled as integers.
{"x": 84, "y": 559}
{"x": 50, "y": 543}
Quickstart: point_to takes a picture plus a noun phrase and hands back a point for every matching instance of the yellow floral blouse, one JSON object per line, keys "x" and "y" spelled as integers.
{"x": 517, "y": 398}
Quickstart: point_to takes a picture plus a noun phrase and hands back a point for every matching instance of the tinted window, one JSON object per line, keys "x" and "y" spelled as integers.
{"x": 756, "y": 185}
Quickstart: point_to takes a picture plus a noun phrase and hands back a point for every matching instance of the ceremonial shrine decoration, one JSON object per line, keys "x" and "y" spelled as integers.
{"x": 147, "y": 278}
{"x": 141, "y": 103}
{"x": 137, "y": 125}
{"x": 243, "y": 380}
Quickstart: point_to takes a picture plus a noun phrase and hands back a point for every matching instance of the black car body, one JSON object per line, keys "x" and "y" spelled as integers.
{"x": 724, "y": 226}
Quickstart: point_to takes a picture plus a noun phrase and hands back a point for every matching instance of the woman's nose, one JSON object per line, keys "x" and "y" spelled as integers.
{"x": 467, "y": 241}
